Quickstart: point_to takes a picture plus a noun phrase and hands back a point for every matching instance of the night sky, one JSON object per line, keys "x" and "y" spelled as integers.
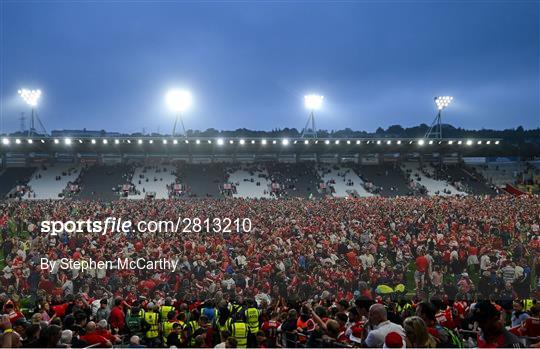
{"x": 249, "y": 64}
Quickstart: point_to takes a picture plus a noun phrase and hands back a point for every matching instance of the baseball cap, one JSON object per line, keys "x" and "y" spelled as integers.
{"x": 394, "y": 340}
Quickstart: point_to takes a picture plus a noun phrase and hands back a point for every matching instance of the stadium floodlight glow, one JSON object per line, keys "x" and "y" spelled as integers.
{"x": 5, "y": 141}
{"x": 242, "y": 142}
{"x": 30, "y": 141}
{"x": 139, "y": 141}
{"x": 479, "y": 142}
{"x": 198, "y": 141}
{"x": 378, "y": 142}
{"x": 398, "y": 142}
{"x": 336, "y": 142}
{"x": 175, "y": 141}
{"x": 306, "y": 142}
{"x": 469, "y": 142}
{"x": 430, "y": 142}
{"x": 443, "y": 101}
{"x": 56, "y": 141}
{"x": 231, "y": 141}
{"x": 348, "y": 142}
{"x": 179, "y": 101}
{"x": 186, "y": 141}
{"x": 327, "y": 142}
{"x": 81, "y": 142}
{"x": 164, "y": 141}
{"x": 459, "y": 142}
{"x": 151, "y": 141}
{"x": 450, "y": 142}
{"x": 358, "y": 142}
{"x": 220, "y": 141}
{"x": 116, "y": 141}
{"x": 295, "y": 141}
{"x": 274, "y": 141}
{"x": 313, "y": 102}
{"x": 488, "y": 142}
{"x": 388, "y": 142}
{"x": 209, "y": 142}
{"x": 31, "y": 97}
{"x": 93, "y": 141}
{"x": 497, "y": 142}
{"x": 43, "y": 141}
{"x": 263, "y": 142}
{"x": 17, "y": 141}
{"x": 421, "y": 142}
{"x": 105, "y": 141}
{"x": 67, "y": 141}
{"x": 285, "y": 141}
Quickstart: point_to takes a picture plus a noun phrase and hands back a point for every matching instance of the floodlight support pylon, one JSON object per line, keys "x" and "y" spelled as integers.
{"x": 307, "y": 132}
{"x": 179, "y": 117}
{"x": 435, "y": 130}
{"x": 33, "y": 118}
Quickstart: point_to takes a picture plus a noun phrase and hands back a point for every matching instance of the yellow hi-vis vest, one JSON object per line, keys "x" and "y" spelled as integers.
{"x": 252, "y": 319}
{"x": 167, "y": 329}
{"x": 192, "y": 326}
{"x": 164, "y": 310}
{"x": 152, "y": 320}
{"x": 239, "y": 330}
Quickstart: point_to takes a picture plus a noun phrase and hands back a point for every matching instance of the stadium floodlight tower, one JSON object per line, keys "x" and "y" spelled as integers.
{"x": 312, "y": 103}
{"x": 31, "y": 97}
{"x": 435, "y": 130}
{"x": 179, "y": 101}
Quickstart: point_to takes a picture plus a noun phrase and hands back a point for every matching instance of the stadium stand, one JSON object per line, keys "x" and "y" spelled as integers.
{"x": 500, "y": 174}
{"x": 201, "y": 180}
{"x": 250, "y": 181}
{"x": 152, "y": 181}
{"x": 49, "y": 182}
{"x": 473, "y": 183}
{"x": 11, "y": 177}
{"x": 388, "y": 180}
{"x": 424, "y": 175}
{"x": 344, "y": 181}
{"x": 295, "y": 179}
{"x": 101, "y": 182}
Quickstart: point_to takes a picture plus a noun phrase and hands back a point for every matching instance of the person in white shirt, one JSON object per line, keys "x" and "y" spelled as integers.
{"x": 380, "y": 327}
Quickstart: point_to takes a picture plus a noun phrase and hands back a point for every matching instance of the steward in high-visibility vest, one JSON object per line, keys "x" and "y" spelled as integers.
{"x": 240, "y": 331}
{"x": 151, "y": 318}
{"x": 252, "y": 314}
{"x": 165, "y": 309}
{"x": 167, "y": 326}
{"x": 192, "y": 326}
{"x": 134, "y": 321}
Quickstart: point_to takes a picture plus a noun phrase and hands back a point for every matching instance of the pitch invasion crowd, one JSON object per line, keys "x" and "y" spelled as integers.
{"x": 375, "y": 272}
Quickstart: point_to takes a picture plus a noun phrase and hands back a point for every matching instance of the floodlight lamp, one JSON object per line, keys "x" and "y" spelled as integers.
{"x": 179, "y": 100}
{"x": 105, "y": 141}
{"x": 497, "y": 142}
{"x": 164, "y": 141}
{"x": 242, "y": 142}
{"x": 175, "y": 141}
{"x": 209, "y": 142}
{"x": 450, "y": 142}
{"x": 313, "y": 102}
{"x": 116, "y": 141}
{"x": 336, "y": 142}
{"x": 358, "y": 142}
{"x": 231, "y": 141}
{"x": 479, "y": 142}
{"x": 17, "y": 141}
{"x": 186, "y": 141}
{"x": 388, "y": 142}
{"x": 56, "y": 141}
{"x": 488, "y": 142}
{"x": 31, "y": 97}
{"x": 274, "y": 141}
{"x": 378, "y": 142}
{"x": 67, "y": 141}
{"x": 398, "y": 142}
{"x": 30, "y": 141}
{"x": 469, "y": 142}
{"x": 151, "y": 141}
{"x": 443, "y": 101}
{"x": 93, "y": 141}
{"x": 306, "y": 142}
{"x": 252, "y": 141}
{"x": 285, "y": 141}
{"x": 421, "y": 142}
{"x": 198, "y": 141}
{"x": 263, "y": 142}
{"x": 430, "y": 142}
{"x": 140, "y": 141}
{"x": 327, "y": 142}
{"x": 220, "y": 141}
{"x": 5, "y": 141}
{"x": 348, "y": 142}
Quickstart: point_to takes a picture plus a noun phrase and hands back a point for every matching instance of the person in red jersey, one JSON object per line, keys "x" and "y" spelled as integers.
{"x": 492, "y": 333}
{"x": 117, "y": 318}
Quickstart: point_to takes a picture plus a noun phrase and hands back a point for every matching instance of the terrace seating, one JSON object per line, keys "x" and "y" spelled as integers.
{"x": 425, "y": 177}
{"x": 295, "y": 179}
{"x": 344, "y": 181}
{"x": 202, "y": 180}
{"x": 50, "y": 181}
{"x": 11, "y": 177}
{"x": 473, "y": 182}
{"x": 98, "y": 182}
{"x": 152, "y": 180}
{"x": 389, "y": 179}
{"x": 500, "y": 174}
{"x": 250, "y": 181}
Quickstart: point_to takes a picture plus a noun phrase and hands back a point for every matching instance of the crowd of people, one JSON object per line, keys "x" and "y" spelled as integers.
{"x": 369, "y": 272}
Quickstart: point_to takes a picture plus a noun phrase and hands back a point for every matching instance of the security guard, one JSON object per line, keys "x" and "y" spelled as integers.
{"x": 165, "y": 309}
{"x": 151, "y": 318}
{"x": 134, "y": 321}
{"x": 252, "y": 315}
{"x": 240, "y": 331}
{"x": 192, "y": 326}
{"x": 167, "y": 326}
